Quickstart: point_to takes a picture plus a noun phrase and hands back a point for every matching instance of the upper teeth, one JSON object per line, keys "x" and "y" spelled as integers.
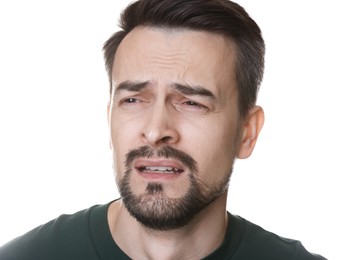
{"x": 160, "y": 169}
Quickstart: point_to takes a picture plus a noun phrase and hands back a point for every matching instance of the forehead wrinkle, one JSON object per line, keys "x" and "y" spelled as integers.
{"x": 166, "y": 60}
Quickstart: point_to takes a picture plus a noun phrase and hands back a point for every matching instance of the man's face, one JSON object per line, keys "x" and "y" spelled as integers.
{"x": 174, "y": 120}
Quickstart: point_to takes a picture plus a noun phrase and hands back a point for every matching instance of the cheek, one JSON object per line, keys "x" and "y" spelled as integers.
{"x": 122, "y": 137}
{"x": 122, "y": 130}
{"x": 219, "y": 135}
{"x": 215, "y": 148}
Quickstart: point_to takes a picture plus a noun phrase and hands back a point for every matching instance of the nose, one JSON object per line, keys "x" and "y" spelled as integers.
{"x": 160, "y": 127}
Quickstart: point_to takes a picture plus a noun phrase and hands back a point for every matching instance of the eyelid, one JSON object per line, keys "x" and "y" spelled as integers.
{"x": 125, "y": 101}
{"x": 130, "y": 98}
{"x": 196, "y": 104}
{"x": 196, "y": 107}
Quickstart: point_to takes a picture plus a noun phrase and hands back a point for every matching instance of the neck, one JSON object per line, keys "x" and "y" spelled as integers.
{"x": 196, "y": 240}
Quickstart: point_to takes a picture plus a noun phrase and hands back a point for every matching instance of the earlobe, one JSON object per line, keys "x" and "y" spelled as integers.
{"x": 250, "y": 132}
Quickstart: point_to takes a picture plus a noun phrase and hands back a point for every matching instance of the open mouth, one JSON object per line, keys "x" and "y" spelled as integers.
{"x": 159, "y": 169}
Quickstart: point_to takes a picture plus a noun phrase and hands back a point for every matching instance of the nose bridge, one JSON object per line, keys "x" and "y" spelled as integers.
{"x": 160, "y": 127}
{"x": 158, "y": 117}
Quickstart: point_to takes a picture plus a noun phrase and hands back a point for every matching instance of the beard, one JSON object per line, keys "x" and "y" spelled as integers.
{"x": 154, "y": 209}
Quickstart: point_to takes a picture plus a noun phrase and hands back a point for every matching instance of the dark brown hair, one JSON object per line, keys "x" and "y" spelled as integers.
{"x": 217, "y": 16}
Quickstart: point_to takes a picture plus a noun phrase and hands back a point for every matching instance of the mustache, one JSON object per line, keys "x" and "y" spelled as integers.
{"x": 164, "y": 152}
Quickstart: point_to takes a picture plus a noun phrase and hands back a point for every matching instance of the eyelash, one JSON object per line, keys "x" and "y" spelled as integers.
{"x": 130, "y": 100}
{"x": 193, "y": 103}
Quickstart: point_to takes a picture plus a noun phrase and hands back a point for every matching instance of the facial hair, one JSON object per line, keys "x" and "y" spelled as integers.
{"x": 154, "y": 209}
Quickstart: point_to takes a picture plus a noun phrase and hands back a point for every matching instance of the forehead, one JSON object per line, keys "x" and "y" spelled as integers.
{"x": 157, "y": 54}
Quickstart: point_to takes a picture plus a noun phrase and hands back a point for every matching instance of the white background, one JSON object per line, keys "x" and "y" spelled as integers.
{"x": 301, "y": 182}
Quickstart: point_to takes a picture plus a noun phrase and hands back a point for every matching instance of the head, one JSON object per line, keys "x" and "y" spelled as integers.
{"x": 184, "y": 77}
{"x": 222, "y": 17}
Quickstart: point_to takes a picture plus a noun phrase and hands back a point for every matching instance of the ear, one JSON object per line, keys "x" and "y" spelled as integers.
{"x": 250, "y": 131}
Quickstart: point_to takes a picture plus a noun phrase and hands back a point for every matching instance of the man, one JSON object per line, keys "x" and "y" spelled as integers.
{"x": 184, "y": 77}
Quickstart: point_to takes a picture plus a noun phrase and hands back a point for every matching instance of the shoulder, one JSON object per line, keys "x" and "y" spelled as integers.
{"x": 67, "y": 233}
{"x": 258, "y": 243}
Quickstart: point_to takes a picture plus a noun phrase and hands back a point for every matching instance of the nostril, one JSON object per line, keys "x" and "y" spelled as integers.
{"x": 166, "y": 139}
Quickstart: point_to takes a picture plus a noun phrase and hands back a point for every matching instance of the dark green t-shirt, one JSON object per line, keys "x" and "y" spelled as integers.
{"x": 85, "y": 235}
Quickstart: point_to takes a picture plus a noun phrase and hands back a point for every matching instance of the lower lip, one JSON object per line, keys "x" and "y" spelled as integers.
{"x": 158, "y": 176}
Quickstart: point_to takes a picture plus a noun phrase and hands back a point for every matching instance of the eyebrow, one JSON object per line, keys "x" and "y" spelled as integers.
{"x": 193, "y": 90}
{"x": 131, "y": 86}
{"x": 185, "y": 89}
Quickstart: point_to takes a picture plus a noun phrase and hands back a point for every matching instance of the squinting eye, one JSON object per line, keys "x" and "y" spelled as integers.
{"x": 191, "y": 103}
{"x": 195, "y": 106}
{"x": 130, "y": 100}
